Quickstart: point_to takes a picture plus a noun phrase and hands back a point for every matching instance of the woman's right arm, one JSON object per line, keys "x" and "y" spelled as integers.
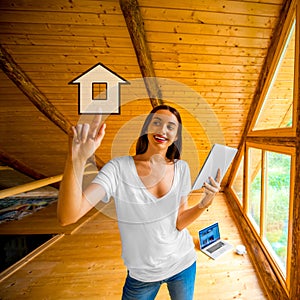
{"x": 73, "y": 203}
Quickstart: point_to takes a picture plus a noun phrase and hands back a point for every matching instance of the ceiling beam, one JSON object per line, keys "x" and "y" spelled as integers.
{"x": 135, "y": 25}
{"x": 40, "y": 101}
{"x": 23, "y": 82}
{"x": 16, "y": 164}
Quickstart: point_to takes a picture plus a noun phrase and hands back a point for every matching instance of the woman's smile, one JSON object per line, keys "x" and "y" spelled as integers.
{"x": 159, "y": 138}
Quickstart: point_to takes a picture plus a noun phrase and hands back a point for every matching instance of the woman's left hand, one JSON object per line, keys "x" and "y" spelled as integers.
{"x": 210, "y": 190}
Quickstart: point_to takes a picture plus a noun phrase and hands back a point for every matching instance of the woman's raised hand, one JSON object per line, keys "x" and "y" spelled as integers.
{"x": 86, "y": 138}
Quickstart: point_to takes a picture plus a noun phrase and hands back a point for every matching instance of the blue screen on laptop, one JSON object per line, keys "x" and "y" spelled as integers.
{"x": 209, "y": 235}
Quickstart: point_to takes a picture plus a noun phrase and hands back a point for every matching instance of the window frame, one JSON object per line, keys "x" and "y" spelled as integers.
{"x": 102, "y": 92}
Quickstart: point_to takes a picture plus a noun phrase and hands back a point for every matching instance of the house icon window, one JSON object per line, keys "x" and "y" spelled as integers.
{"x": 99, "y": 91}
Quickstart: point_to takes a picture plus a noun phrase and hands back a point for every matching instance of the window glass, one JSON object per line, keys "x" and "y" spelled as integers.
{"x": 254, "y": 195}
{"x": 238, "y": 181}
{"x": 277, "y": 110}
{"x": 277, "y": 204}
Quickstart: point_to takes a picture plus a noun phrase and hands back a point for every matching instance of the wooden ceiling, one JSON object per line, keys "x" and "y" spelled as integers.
{"x": 206, "y": 55}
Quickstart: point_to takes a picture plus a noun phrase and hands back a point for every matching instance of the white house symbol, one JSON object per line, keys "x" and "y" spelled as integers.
{"x": 99, "y": 91}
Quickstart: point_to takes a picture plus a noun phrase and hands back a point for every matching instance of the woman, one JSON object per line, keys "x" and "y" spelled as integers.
{"x": 150, "y": 191}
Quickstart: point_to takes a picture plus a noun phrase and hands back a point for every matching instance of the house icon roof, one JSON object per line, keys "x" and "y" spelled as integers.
{"x": 107, "y": 82}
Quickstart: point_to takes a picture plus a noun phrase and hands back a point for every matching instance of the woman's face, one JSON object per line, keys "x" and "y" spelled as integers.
{"x": 163, "y": 128}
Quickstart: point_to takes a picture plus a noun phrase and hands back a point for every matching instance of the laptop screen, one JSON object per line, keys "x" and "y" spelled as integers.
{"x": 209, "y": 235}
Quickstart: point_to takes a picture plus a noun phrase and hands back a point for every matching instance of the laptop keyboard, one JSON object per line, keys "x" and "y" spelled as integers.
{"x": 215, "y": 247}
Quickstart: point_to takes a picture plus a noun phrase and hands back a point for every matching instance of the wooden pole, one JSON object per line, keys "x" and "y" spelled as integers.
{"x": 29, "y": 186}
{"x": 135, "y": 25}
{"x": 295, "y": 255}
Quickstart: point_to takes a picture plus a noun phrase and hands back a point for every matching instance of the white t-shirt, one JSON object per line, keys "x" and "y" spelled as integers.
{"x": 152, "y": 247}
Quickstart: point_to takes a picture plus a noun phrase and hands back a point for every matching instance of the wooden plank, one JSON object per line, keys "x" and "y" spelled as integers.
{"x": 197, "y": 74}
{"x": 63, "y": 29}
{"x": 218, "y": 87}
{"x": 84, "y": 41}
{"x": 78, "y": 69}
{"x": 56, "y": 17}
{"x": 206, "y": 49}
{"x": 70, "y": 50}
{"x": 60, "y": 78}
{"x": 177, "y": 75}
{"x": 206, "y": 17}
{"x": 90, "y": 6}
{"x": 207, "y": 67}
{"x": 236, "y": 7}
{"x": 201, "y": 39}
{"x": 199, "y": 58}
{"x": 167, "y": 48}
{"x": 86, "y": 59}
{"x": 159, "y": 26}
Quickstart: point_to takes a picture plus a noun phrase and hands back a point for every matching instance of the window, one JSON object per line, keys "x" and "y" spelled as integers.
{"x": 254, "y": 193}
{"x": 99, "y": 90}
{"x": 269, "y": 200}
{"x": 277, "y": 203}
{"x": 277, "y": 109}
{"x": 238, "y": 182}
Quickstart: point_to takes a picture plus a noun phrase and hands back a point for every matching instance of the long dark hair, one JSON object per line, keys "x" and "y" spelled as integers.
{"x": 174, "y": 150}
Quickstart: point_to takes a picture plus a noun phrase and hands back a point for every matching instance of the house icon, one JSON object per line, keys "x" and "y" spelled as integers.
{"x": 99, "y": 91}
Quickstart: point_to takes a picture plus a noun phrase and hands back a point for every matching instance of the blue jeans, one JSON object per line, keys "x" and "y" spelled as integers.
{"x": 180, "y": 286}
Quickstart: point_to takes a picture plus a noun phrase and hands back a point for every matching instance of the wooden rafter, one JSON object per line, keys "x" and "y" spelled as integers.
{"x": 135, "y": 25}
{"x": 16, "y": 164}
{"x": 23, "y": 82}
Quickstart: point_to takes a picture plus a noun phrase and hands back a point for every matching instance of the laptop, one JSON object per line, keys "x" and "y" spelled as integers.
{"x": 219, "y": 157}
{"x": 210, "y": 242}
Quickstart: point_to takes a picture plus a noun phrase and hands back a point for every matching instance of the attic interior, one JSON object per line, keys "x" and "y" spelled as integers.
{"x": 232, "y": 70}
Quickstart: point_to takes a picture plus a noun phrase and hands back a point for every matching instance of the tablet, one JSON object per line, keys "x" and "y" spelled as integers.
{"x": 219, "y": 157}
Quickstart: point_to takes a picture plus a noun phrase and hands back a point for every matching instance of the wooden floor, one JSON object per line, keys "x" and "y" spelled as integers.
{"x": 84, "y": 261}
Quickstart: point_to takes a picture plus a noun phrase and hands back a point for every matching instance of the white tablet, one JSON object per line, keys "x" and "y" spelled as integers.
{"x": 219, "y": 157}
